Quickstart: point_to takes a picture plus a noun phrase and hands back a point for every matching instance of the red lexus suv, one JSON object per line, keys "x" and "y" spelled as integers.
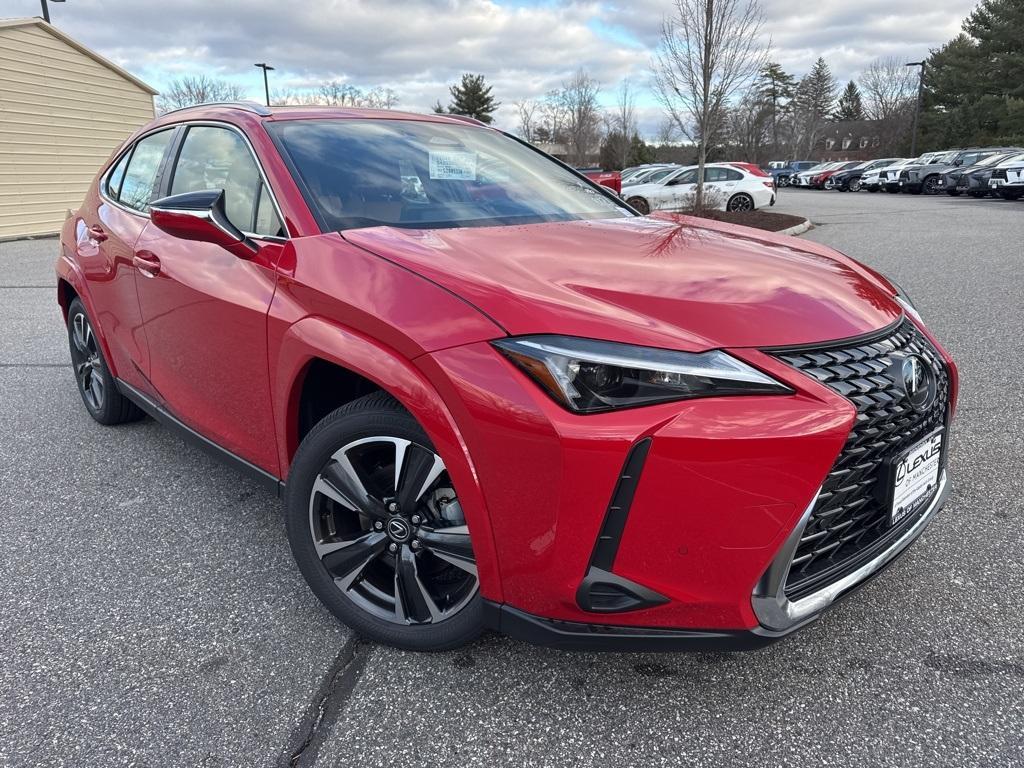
{"x": 491, "y": 394}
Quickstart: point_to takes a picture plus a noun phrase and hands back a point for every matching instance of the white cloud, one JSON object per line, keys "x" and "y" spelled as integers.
{"x": 524, "y": 48}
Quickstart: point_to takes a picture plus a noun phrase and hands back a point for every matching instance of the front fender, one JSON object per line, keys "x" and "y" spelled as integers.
{"x": 318, "y": 338}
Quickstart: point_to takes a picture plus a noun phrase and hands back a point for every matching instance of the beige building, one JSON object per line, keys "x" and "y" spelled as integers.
{"x": 63, "y": 110}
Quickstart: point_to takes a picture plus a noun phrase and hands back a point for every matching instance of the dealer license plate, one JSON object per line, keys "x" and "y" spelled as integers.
{"x": 915, "y": 477}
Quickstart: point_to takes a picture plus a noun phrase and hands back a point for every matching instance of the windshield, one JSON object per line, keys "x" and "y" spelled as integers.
{"x": 406, "y": 173}
{"x": 993, "y": 159}
{"x": 659, "y": 175}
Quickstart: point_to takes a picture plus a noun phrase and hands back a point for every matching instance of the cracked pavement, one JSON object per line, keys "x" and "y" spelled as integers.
{"x": 151, "y": 614}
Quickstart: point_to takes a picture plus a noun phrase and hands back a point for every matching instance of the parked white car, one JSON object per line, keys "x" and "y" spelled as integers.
{"x": 1007, "y": 179}
{"x": 726, "y": 187}
{"x": 648, "y": 174}
{"x": 873, "y": 180}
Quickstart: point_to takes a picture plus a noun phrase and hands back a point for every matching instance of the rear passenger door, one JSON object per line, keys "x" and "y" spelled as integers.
{"x": 106, "y": 239}
{"x": 205, "y": 309}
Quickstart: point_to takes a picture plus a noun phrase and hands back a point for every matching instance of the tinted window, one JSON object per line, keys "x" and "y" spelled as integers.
{"x": 117, "y": 176}
{"x": 218, "y": 158}
{"x": 687, "y": 177}
{"x": 721, "y": 174}
{"x": 364, "y": 173}
{"x": 139, "y": 183}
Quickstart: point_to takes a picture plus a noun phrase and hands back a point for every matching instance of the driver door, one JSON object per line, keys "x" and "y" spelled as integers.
{"x": 205, "y": 310}
{"x": 680, "y": 190}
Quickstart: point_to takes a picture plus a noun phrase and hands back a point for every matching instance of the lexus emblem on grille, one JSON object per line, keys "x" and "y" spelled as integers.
{"x": 917, "y": 379}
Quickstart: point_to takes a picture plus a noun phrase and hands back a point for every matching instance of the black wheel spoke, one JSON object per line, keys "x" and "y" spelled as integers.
{"x": 451, "y": 545}
{"x": 80, "y": 334}
{"x": 422, "y": 468}
{"x": 346, "y": 560}
{"x": 412, "y": 601}
{"x": 343, "y": 477}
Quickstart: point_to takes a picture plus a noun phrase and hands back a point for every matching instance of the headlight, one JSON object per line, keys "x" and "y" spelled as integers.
{"x": 588, "y": 376}
{"x": 904, "y": 300}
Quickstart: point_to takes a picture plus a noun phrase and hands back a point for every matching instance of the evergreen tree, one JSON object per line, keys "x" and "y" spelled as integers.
{"x": 472, "y": 97}
{"x": 850, "y": 106}
{"x": 439, "y": 108}
{"x": 814, "y": 103}
{"x": 974, "y": 85}
{"x": 775, "y": 89}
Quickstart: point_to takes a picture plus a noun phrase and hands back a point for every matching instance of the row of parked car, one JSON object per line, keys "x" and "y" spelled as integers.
{"x": 978, "y": 172}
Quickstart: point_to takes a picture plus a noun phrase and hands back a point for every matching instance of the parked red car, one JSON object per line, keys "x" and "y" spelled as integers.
{"x": 492, "y": 394}
{"x": 610, "y": 179}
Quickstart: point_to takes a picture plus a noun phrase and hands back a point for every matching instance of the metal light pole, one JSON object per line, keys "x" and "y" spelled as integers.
{"x": 266, "y": 85}
{"x": 46, "y": 9}
{"x": 917, "y": 106}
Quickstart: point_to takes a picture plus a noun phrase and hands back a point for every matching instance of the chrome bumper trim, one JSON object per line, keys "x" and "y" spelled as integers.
{"x": 777, "y": 612}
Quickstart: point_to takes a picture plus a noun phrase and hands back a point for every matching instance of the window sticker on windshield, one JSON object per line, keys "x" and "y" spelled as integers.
{"x": 453, "y": 165}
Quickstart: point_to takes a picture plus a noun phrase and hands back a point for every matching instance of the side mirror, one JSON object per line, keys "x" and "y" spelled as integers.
{"x": 201, "y": 216}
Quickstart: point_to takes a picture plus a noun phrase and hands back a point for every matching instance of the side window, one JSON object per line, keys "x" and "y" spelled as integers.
{"x": 689, "y": 177}
{"x": 139, "y": 183}
{"x": 218, "y": 158}
{"x": 117, "y": 176}
{"x": 732, "y": 175}
{"x": 715, "y": 174}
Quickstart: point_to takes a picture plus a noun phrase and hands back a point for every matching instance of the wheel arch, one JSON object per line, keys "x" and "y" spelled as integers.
{"x": 315, "y": 352}
{"x": 70, "y": 286}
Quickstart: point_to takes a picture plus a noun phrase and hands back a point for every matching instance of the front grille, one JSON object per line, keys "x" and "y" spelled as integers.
{"x": 999, "y": 173}
{"x": 850, "y": 521}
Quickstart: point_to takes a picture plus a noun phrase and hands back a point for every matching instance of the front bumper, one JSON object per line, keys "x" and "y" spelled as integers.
{"x": 778, "y": 616}
{"x": 725, "y": 485}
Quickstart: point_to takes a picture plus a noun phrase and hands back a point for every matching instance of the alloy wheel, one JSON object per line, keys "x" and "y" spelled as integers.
{"x": 741, "y": 202}
{"x": 931, "y": 185}
{"x": 855, "y": 185}
{"x": 85, "y": 356}
{"x": 640, "y": 204}
{"x": 388, "y": 528}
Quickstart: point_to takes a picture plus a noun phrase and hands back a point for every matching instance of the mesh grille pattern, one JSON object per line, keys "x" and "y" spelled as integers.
{"x": 850, "y": 522}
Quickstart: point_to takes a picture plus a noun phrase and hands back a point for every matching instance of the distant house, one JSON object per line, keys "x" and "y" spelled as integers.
{"x": 849, "y": 140}
{"x": 63, "y": 110}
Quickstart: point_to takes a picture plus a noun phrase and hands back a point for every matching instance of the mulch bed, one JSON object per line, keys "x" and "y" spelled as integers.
{"x": 772, "y": 222}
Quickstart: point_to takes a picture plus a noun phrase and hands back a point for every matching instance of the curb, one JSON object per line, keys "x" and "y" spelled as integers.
{"x": 798, "y": 229}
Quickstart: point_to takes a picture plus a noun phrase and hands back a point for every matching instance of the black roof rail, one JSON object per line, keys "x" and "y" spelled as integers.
{"x": 248, "y": 106}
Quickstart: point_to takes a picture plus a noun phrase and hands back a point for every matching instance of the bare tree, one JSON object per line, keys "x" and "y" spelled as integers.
{"x": 529, "y": 116}
{"x": 623, "y": 121}
{"x": 199, "y": 89}
{"x": 709, "y": 51}
{"x": 578, "y": 100}
{"x": 889, "y": 88}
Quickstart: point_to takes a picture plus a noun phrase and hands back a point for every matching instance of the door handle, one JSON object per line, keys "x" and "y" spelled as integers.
{"x": 147, "y": 263}
{"x": 96, "y": 233}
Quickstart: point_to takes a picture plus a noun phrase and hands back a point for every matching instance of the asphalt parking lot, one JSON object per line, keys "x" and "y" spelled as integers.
{"x": 150, "y": 614}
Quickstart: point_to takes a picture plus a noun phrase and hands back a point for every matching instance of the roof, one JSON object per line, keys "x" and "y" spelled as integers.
{"x": 29, "y": 22}
{"x": 305, "y": 112}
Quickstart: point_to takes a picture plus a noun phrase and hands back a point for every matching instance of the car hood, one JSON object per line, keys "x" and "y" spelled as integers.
{"x": 667, "y": 281}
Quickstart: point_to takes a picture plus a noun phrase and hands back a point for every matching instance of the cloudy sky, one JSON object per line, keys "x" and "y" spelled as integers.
{"x": 524, "y": 47}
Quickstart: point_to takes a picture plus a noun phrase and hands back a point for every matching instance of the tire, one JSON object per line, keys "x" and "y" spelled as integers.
{"x": 1010, "y": 195}
{"x": 953, "y": 193}
{"x": 854, "y": 185}
{"x": 892, "y": 190}
{"x": 380, "y": 580}
{"x": 740, "y": 202}
{"x": 930, "y": 186}
{"x": 782, "y": 181}
{"x": 640, "y": 204}
{"x": 96, "y": 385}
{"x": 872, "y": 190}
